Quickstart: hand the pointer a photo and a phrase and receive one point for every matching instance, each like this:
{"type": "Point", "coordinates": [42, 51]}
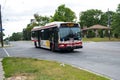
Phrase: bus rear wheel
{"type": "Point", "coordinates": [35, 44]}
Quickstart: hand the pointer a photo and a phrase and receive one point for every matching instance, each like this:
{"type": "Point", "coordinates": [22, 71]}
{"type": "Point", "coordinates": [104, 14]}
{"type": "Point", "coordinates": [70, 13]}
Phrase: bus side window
{"type": "Point", "coordinates": [42, 34]}
{"type": "Point", "coordinates": [33, 34]}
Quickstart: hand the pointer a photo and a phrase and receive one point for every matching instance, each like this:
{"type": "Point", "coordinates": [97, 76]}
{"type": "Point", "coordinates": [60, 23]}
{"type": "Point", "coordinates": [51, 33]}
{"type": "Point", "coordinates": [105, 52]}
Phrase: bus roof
{"type": "Point", "coordinates": [49, 25]}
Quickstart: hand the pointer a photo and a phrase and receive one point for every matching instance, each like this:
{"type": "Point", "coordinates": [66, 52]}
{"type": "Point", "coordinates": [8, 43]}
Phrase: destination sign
{"type": "Point", "coordinates": [69, 25]}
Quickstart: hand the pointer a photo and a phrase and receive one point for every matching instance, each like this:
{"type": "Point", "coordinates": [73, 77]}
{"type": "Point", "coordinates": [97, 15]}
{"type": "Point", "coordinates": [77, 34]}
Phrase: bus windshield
{"type": "Point", "coordinates": [69, 32]}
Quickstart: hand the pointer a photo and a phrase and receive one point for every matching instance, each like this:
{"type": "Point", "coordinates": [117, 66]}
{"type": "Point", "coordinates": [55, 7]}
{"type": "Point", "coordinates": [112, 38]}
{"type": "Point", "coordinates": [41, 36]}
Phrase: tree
{"type": "Point", "coordinates": [116, 23]}
{"type": "Point", "coordinates": [90, 17]}
{"type": "Point", "coordinates": [26, 34]}
{"type": "Point", "coordinates": [118, 9]}
{"type": "Point", "coordinates": [64, 14]}
{"type": "Point", "coordinates": [104, 18]}
{"type": "Point", "coordinates": [16, 36]}
{"type": "Point", "coordinates": [41, 20]}
{"type": "Point", "coordinates": [37, 21]}
{"type": "Point", "coordinates": [93, 16]}
{"type": "Point", "coordinates": [27, 30]}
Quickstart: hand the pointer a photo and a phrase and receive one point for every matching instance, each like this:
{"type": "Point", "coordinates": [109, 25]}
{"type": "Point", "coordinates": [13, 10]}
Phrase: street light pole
{"type": "Point", "coordinates": [1, 28]}
{"type": "Point", "coordinates": [109, 23]}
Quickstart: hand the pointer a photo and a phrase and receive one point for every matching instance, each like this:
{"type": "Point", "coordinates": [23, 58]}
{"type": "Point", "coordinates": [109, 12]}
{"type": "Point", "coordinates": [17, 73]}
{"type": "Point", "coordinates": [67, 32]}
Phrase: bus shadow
{"type": "Point", "coordinates": [61, 52]}
{"type": "Point", "coordinates": [69, 52]}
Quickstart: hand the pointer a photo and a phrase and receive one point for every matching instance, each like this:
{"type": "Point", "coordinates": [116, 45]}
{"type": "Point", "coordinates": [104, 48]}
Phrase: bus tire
{"type": "Point", "coordinates": [70, 50]}
{"type": "Point", "coordinates": [35, 44]}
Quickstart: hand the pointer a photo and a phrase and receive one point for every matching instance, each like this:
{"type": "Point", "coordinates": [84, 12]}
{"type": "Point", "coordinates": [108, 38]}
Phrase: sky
{"type": "Point", "coordinates": [16, 14]}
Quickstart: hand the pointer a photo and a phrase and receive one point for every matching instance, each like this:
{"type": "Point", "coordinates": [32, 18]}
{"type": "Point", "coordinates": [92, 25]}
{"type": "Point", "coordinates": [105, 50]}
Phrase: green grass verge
{"type": "Point", "coordinates": [100, 39]}
{"type": "Point", "coordinates": [35, 69]}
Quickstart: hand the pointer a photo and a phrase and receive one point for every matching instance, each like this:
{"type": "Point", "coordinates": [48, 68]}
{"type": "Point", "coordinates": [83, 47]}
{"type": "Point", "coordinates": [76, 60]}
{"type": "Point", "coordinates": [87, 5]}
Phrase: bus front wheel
{"type": "Point", "coordinates": [35, 44]}
{"type": "Point", "coordinates": [70, 50]}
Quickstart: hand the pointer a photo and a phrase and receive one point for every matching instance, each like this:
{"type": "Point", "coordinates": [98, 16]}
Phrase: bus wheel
{"type": "Point", "coordinates": [35, 44]}
{"type": "Point", "coordinates": [71, 50]}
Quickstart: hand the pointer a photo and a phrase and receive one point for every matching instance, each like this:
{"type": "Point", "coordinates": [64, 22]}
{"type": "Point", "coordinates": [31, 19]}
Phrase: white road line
{"type": "Point", "coordinates": [6, 52]}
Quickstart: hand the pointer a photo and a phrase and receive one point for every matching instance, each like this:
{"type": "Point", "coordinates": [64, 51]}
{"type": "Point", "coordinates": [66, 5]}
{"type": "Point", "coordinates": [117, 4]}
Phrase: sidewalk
{"type": "Point", "coordinates": [1, 67]}
{"type": "Point", "coordinates": [1, 70]}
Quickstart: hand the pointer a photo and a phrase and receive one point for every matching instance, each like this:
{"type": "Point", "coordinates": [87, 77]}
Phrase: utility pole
{"type": "Point", "coordinates": [109, 23]}
{"type": "Point", "coordinates": [1, 28]}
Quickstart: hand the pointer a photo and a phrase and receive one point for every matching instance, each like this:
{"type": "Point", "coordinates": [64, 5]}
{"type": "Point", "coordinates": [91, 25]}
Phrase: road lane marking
{"type": "Point", "coordinates": [6, 52]}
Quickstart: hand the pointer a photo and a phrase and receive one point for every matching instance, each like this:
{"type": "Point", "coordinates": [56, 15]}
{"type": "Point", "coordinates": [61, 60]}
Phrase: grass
{"type": "Point", "coordinates": [100, 39]}
{"type": "Point", "coordinates": [34, 69]}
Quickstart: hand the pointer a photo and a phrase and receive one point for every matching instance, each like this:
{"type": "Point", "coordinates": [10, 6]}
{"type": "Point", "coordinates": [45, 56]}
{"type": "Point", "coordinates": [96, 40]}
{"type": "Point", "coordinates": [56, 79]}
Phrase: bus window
{"type": "Point", "coordinates": [45, 34]}
{"type": "Point", "coordinates": [66, 33]}
{"type": "Point", "coordinates": [42, 34]}
{"type": "Point", "coordinates": [34, 33]}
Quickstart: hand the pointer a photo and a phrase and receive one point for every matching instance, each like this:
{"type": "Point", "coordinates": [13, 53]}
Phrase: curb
{"type": "Point", "coordinates": [102, 75]}
{"type": "Point", "coordinates": [1, 70]}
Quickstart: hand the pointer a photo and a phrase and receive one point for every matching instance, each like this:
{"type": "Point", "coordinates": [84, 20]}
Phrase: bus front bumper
{"type": "Point", "coordinates": [70, 47]}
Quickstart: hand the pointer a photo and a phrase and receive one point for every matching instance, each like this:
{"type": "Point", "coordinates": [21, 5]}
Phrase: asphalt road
{"type": "Point", "coordinates": [99, 57]}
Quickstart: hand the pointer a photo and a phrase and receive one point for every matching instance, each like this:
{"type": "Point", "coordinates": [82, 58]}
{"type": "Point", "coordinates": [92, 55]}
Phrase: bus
{"type": "Point", "coordinates": [57, 36]}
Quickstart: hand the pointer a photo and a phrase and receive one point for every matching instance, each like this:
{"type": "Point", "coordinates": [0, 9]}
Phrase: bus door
{"type": "Point", "coordinates": [39, 38]}
{"type": "Point", "coordinates": [54, 38]}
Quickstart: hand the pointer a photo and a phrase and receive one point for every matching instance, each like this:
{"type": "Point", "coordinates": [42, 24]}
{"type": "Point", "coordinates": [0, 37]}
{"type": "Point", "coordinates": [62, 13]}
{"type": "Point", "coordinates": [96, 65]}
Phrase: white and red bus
{"type": "Point", "coordinates": [57, 36]}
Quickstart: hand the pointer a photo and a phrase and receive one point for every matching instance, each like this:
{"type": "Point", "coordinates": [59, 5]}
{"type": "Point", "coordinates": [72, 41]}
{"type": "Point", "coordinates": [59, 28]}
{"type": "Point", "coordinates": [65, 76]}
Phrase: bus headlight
{"type": "Point", "coordinates": [61, 45]}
